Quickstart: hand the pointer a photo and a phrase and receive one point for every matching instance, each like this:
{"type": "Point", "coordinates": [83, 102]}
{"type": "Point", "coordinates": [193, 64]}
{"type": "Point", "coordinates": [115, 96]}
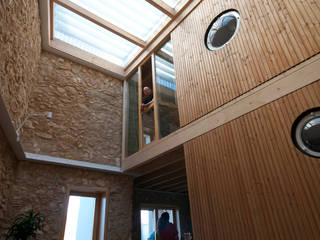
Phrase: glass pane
{"type": "Point", "coordinates": [80, 218]}
{"type": "Point", "coordinates": [132, 115]}
{"type": "Point", "coordinates": [147, 224]}
{"type": "Point", "coordinates": [148, 130]}
{"type": "Point", "coordinates": [310, 134]}
{"type": "Point", "coordinates": [137, 17]}
{"type": "Point", "coordinates": [79, 32]}
{"type": "Point", "coordinates": [166, 91]}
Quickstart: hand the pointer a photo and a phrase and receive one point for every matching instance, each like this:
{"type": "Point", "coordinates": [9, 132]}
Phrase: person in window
{"type": "Point", "coordinates": [165, 229]}
{"type": "Point", "coordinates": [148, 99]}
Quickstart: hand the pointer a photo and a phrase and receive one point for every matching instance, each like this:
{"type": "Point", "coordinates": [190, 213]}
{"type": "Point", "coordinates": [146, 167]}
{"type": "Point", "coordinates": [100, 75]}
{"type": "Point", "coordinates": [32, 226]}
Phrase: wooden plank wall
{"type": "Point", "coordinates": [247, 181]}
{"type": "Point", "coordinates": [274, 35]}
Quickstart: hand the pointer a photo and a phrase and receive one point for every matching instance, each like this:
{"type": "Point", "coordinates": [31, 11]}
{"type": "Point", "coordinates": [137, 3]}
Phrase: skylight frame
{"type": "Point", "coordinates": [182, 9]}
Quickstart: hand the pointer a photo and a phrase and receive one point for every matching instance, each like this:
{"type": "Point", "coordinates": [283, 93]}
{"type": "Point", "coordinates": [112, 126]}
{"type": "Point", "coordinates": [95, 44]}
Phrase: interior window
{"type": "Point", "coordinates": [86, 216]}
{"type": "Point", "coordinates": [149, 218]}
{"type": "Point", "coordinates": [148, 224]}
{"type": "Point", "coordinates": [151, 107]}
{"type": "Point", "coordinates": [166, 90]}
{"type": "Point", "coordinates": [80, 218]}
{"type": "Point", "coordinates": [147, 104]}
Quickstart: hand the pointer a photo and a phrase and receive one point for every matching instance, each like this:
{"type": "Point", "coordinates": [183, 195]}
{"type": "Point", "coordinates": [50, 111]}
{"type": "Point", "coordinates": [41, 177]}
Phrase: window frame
{"type": "Point", "coordinates": [98, 194]}
{"type": "Point", "coordinates": [156, 208]}
{"type": "Point", "coordinates": [296, 130]}
{"type": "Point", "coordinates": [154, 105]}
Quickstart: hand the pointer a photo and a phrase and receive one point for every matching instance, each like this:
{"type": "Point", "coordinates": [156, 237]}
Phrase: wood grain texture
{"type": "Point", "coordinates": [246, 179]}
{"type": "Point", "coordinates": [295, 78]}
{"type": "Point", "coordinates": [273, 37]}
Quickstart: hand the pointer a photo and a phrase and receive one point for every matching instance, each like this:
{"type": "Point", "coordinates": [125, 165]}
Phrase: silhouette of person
{"type": "Point", "coordinates": [166, 230]}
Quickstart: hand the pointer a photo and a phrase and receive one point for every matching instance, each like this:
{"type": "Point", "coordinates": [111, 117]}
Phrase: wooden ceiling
{"type": "Point", "coordinates": [166, 173]}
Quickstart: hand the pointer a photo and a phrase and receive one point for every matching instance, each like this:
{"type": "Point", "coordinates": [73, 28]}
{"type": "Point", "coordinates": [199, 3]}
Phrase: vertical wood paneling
{"type": "Point", "coordinates": [274, 35]}
{"type": "Point", "coordinates": [247, 180]}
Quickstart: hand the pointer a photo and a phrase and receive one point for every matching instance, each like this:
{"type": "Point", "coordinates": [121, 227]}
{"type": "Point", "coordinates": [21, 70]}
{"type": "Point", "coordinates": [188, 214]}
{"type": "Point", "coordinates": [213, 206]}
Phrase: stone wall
{"type": "Point", "coordinates": [43, 188]}
{"type": "Point", "coordinates": [158, 198]}
{"type": "Point", "coordinates": [20, 52]}
{"type": "Point", "coordinates": [7, 162]}
{"type": "Point", "coordinates": [87, 113]}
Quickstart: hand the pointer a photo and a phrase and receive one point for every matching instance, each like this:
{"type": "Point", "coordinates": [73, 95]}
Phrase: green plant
{"type": "Point", "coordinates": [25, 225]}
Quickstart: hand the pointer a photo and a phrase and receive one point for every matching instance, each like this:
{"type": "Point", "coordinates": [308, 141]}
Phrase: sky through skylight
{"type": "Point", "coordinates": [137, 17]}
{"type": "Point", "coordinates": [80, 32]}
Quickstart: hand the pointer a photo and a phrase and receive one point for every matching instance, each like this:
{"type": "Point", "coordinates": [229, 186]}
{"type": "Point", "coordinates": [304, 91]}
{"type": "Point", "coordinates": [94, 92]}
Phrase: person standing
{"type": "Point", "coordinates": [165, 229]}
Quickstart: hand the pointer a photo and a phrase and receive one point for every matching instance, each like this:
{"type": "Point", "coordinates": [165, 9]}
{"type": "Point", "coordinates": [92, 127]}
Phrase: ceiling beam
{"type": "Point", "coordinates": [163, 7]}
{"type": "Point", "coordinates": [164, 179]}
{"type": "Point", "coordinates": [160, 172]}
{"type": "Point", "coordinates": [185, 192]}
{"type": "Point", "coordinates": [101, 22]}
{"type": "Point", "coordinates": [169, 158]}
{"type": "Point", "coordinates": [179, 188]}
{"type": "Point", "coordinates": [174, 183]}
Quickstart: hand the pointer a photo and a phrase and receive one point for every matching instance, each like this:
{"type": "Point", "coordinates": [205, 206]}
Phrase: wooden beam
{"type": "Point", "coordinates": [164, 55]}
{"type": "Point", "coordinates": [172, 183]}
{"type": "Point", "coordinates": [83, 57]}
{"type": "Point", "coordinates": [51, 20]}
{"type": "Point", "coordinates": [162, 161]}
{"type": "Point", "coordinates": [163, 7]}
{"type": "Point", "coordinates": [101, 22]}
{"type": "Point", "coordinates": [155, 191]}
{"type": "Point", "coordinates": [179, 188]}
{"type": "Point", "coordinates": [163, 180]}
{"type": "Point", "coordinates": [160, 38]}
{"type": "Point", "coordinates": [161, 172]}
{"type": "Point", "coordinates": [140, 130]}
{"type": "Point", "coordinates": [297, 77]}
{"type": "Point", "coordinates": [155, 99]}
{"type": "Point", "coordinates": [125, 118]}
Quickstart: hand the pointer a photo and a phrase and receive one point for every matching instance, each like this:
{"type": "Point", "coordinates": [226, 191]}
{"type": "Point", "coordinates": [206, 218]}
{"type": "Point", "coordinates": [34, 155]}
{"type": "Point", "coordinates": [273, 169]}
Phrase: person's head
{"type": "Point", "coordinates": [147, 91]}
{"type": "Point", "coordinates": [163, 220]}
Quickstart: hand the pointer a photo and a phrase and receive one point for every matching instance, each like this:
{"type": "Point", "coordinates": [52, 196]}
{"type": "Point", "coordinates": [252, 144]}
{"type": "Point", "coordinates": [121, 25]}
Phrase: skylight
{"type": "Point", "coordinates": [80, 32]}
{"type": "Point", "coordinates": [111, 35]}
{"type": "Point", "coordinates": [136, 17]}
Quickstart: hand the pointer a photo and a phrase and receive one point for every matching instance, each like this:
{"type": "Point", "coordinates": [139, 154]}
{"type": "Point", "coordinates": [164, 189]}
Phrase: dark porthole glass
{"type": "Point", "coordinates": [222, 29]}
{"type": "Point", "coordinates": [306, 132]}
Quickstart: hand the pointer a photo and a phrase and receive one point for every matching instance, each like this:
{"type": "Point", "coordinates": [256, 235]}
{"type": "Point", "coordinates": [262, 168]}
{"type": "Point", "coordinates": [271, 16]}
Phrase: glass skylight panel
{"type": "Point", "coordinates": [88, 36]}
{"type": "Point", "coordinates": [137, 17]}
{"type": "Point", "coordinates": [171, 3]}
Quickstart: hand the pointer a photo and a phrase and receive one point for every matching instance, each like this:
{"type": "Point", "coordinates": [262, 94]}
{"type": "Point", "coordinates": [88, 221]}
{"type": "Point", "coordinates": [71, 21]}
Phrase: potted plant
{"type": "Point", "coordinates": [25, 226]}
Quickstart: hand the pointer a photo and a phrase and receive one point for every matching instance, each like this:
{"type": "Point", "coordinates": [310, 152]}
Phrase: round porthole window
{"type": "Point", "coordinates": [306, 132]}
{"type": "Point", "coordinates": [222, 29]}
